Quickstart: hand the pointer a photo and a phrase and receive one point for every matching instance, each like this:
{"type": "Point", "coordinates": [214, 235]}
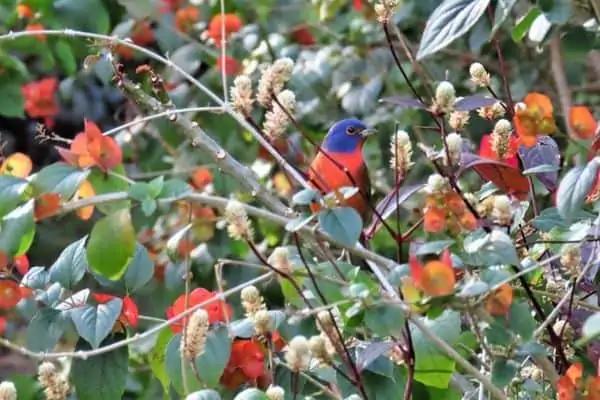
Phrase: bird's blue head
{"type": "Point", "coordinates": [346, 136]}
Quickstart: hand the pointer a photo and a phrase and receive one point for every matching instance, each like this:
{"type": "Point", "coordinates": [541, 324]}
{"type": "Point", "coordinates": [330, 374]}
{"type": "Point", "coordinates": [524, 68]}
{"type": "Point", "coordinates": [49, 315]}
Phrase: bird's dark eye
{"type": "Point", "coordinates": [351, 130]}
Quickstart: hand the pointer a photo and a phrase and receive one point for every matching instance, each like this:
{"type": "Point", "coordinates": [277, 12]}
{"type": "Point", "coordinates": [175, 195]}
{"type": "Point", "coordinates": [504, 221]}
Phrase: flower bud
{"type": "Point", "coordinates": [479, 75]}
{"type": "Point", "coordinates": [502, 210]}
{"type": "Point", "coordinates": [458, 120]}
{"type": "Point", "coordinates": [8, 391]}
{"type": "Point", "coordinates": [280, 260]}
{"type": "Point", "coordinates": [275, 393]}
{"type": "Point", "coordinates": [437, 184]}
{"type": "Point", "coordinates": [454, 143]}
{"type": "Point", "coordinates": [252, 301]}
{"type": "Point", "coordinates": [192, 343]}
{"type": "Point", "coordinates": [241, 94]}
{"type": "Point", "coordinates": [263, 322]}
{"type": "Point", "coordinates": [298, 354]}
{"type": "Point", "coordinates": [239, 226]}
{"type": "Point", "coordinates": [492, 112]}
{"type": "Point", "coordinates": [401, 153]}
{"type": "Point", "coordinates": [445, 96]}
{"type": "Point", "coordinates": [500, 138]}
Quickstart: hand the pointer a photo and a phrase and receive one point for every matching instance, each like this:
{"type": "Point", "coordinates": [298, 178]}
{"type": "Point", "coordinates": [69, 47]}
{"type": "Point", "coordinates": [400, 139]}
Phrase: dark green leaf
{"type": "Point", "coordinates": [385, 320]}
{"type": "Point", "coordinates": [343, 224]}
{"type": "Point", "coordinates": [89, 15]}
{"type": "Point", "coordinates": [449, 21]}
{"type": "Point", "coordinates": [111, 245]}
{"type": "Point", "coordinates": [173, 367]}
{"type": "Point", "coordinates": [103, 376]}
{"type": "Point", "coordinates": [574, 187]}
{"type": "Point", "coordinates": [71, 265]}
{"type": "Point", "coordinates": [139, 271]}
{"type": "Point", "coordinates": [503, 371]}
{"type": "Point", "coordinates": [17, 230]}
{"type": "Point", "coordinates": [11, 193]}
{"type": "Point", "coordinates": [521, 321]}
{"type": "Point", "coordinates": [11, 101]}
{"type": "Point", "coordinates": [64, 55]}
{"type": "Point", "coordinates": [45, 329]}
{"type": "Point", "coordinates": [94, 323]}
{"type": "Point", "coordinates": [212, 362]}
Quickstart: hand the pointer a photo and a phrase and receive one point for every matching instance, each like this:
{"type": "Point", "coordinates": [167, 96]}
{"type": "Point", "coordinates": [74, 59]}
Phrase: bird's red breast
{"type": "Point", "coordinates": [326, 176]}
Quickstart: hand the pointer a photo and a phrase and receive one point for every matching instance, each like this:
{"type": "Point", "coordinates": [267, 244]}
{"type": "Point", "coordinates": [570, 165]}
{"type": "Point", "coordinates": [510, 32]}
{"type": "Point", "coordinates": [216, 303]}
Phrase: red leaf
{"type": "Point", "coordinates": [506, 177]}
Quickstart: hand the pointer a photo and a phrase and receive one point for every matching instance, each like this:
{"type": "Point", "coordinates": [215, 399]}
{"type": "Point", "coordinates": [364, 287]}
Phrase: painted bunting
{"type": "Point", "coordinates": [343, 145]}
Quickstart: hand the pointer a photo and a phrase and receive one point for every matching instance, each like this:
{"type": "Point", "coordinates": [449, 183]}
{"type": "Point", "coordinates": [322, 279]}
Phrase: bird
{"type": "Point", "coordinates": [342, 148]}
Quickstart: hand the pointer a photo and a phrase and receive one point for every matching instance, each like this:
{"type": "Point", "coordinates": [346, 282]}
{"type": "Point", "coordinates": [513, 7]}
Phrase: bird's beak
{"type": "Point", "coordinates": [365, 133]}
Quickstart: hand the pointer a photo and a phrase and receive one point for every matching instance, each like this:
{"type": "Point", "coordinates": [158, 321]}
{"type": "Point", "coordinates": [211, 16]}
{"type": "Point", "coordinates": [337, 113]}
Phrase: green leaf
{"type": "Point", "coordinates": [433, 368]}
{"type": "Point", "coordinates": [497, 334]}
{"type": "Point", "coordinates": [503, 371]}
{"type": "Point", "coordinates": [59, 178]}
{"type": "Point", "coordinates": [174, 188]}
{"type": "Point", "coordinates": [342, 223]}
{"type": "Point", "coordinates": [305, 197]}
{"type": "Point", "coordinates": [103, 184]}
{"type": "Point", "coordinates": [173, 367]}
{"type": "Point", "coordinates": [540, 169]}
{"type": "Point", "coordinates": [205, 394]}
{"type": "Point", "coordinates": [45, 329]}
{"type": "Point", "coordinates": [495, 248]}
{"type": "Point", "coordinates": [36, 278]}
{"type": "Point", "coordinates": [89, 15]}
{"type": "Point", "coordinates": [591, 327]}
{"type": "Point", "coordinates": [251, 394]}
{"type": "Point", "coordinates": [574, 187]}
{"type": "Point", "coordinates": [139, 9]}
{"type": "Point", "coordinates": [212, 362]}
{"type": "Point", "coordinates": [556, 11]}
{"type": "Point", "coordinates": [11, 101]}
{"type": "Point", "coordinates": [434, 247]}
{"type": "Point", "coordinates": [111, 245]}
{"type": "Point", "coordinates": [65, 57]}
{"type": "Point", "coordinates": [94, 323]}
{"type": "Point", "coordinates": [139, 271]}
{"type": "Point", "coordinates": [71, 265]}
{"type": "Point", "coordinates": [502, 12]}
{"type": "Point", "coordinates": [17, 230]}
{"type": "Point", "coordinates": [11, 192]}
{"type": "Point", "coordinates": [384, 320]}
{"type": "Point", "coordinates": [449, 21]}
{"type": "Point", "coordinates": [521, 321]}
{"type": "Point", "coordinates": [141, 191]}
{"type": "Point", "coordinates": [524, 24]}
{"type": "Point", "coordinates": [157, 358]}
{"type": "Point", "coordinates": [102, 376]}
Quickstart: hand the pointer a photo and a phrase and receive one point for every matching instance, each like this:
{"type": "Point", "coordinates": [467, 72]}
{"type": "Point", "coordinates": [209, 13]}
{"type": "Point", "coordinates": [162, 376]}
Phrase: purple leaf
{"type": "Point", "coordinates": [406, 102]}
{"type": "Point", "coordinates": [390, 203]}
{"type": "Point", "coordinates": [469, 103]}
{"type": "Point", "coordinates": [545, 152]}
